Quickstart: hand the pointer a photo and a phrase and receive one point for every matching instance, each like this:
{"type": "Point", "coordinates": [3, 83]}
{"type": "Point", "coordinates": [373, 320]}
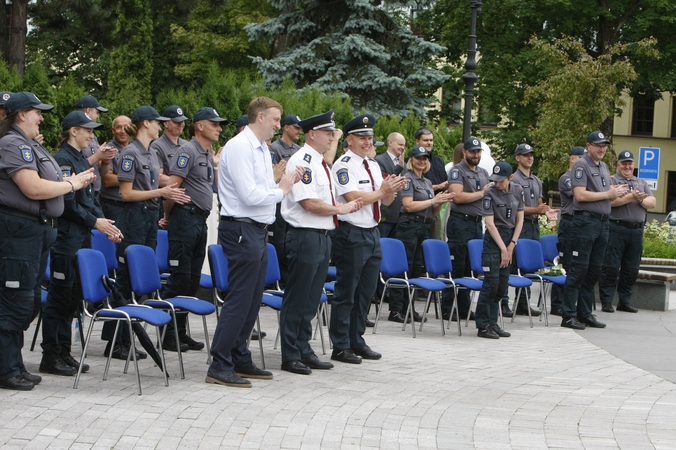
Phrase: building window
{"type": "Point", "coordinates": [642, 120]}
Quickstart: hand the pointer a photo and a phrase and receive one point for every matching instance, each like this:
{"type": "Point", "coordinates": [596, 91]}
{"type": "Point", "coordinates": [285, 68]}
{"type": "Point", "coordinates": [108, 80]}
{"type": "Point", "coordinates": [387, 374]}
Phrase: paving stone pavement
{"type": "Point", "coordinates": [545, 387]}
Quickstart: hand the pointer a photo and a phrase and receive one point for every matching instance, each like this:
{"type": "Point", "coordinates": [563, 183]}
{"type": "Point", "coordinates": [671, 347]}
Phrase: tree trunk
{"type": "Point", "coordinates": [17, 38]}
{"type": "Point", "coordinates": [4, 31]}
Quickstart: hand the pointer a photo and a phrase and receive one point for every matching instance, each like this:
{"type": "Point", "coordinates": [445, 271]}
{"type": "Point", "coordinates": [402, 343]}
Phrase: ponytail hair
{"type": "Point", "coordinates": [63, 138]}
{"type": "Point", "coordinates": [131, 129]}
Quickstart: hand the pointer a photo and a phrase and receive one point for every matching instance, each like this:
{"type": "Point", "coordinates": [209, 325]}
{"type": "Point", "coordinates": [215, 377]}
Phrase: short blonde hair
{"type": "Point", "coordinates": [409, 165]}
{"type": "Point", "coordinates": [260, 104]}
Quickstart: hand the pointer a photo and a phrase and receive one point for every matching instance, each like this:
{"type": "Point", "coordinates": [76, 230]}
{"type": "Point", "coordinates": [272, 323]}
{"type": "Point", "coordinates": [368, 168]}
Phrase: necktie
{"type": "Point", "coordinates": [376, 208]}
{"type": "Point", "coordinates": [333, 200]}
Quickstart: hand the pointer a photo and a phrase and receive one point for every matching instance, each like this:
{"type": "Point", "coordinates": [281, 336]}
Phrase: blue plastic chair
{"type": "Point", "coordinates": [550, 249]}
{"type": "Point", "coordinates": [144, 275]}
{"type": "Point", "coordinates": [439, 265]}
{"type": "Point", "coordinates": [218, 264]}
{"type": "Point", "coordinates": [43, 300]}
{"type": "Point", "coordinates": [162, 253]}
{"type": "Point", "coordinates": [393, 275]}
{"type": "Point", "coordinates": [92, 269]}
{"type": "Point", "coordinates": [476, 248]}
{"type": "Point", "coordinates": [529, 260]}
{"type": "Point", "coordinates": [101, 243]}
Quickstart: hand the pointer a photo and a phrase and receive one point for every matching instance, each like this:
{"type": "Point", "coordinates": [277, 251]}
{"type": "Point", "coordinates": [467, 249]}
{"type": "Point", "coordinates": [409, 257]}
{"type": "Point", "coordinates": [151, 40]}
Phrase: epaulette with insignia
{"type": "Point", "coordinates": [345, 158]}
{"type": "Point", "coordinates": [307, 157]}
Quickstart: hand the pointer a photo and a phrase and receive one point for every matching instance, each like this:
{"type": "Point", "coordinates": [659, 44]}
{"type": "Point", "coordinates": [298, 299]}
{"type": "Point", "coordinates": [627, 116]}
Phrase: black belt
{"type": "Point", "coordinates": [195, 210]}
{"type": "Point", "coordinates": [418, 218]}
{"type": "Point", "coordinates": [601, 217]}
{"type": "Point", "coordinates": [316, 230]}
{"type": "Point", "coordinates": [262, 226]}
{"type": "Point", "coordinates": [348, 224]}
{"type": "Point", "coordinates": [526, 219]}
{"type": "Point", "coordinates": [632, 225]}
{"type": "Point", "coordinates": [466, 216]}
{"type": "Point", "coordinates": [567, 216]}
{"type": "Point", "coordinates": [52, 222]}
{"type": "Point", "coordinates": [119, 203]}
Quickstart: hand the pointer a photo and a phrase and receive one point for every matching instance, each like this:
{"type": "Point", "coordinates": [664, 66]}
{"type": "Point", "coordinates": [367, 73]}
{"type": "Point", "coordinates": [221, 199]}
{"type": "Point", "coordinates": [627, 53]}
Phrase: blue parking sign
{"type": "Point", "coordinates": [649, 163]}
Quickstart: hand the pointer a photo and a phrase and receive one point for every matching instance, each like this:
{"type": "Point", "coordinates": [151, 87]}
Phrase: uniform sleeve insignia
{"type": "Point", "coordinates": [307, 158]}
{"type": "Point", "coordinates": [407, 185]}
{"type": "Point", "coordinates": [578, 173]}
{"type": "Point", "coordinates": [343, 177]}
{"type": "Point", "coordinates": [66, 171]}
{"type": "Point", "coordinates": [26, 153]}
{"type": "Point", "coordinates": [454, 174]}
{"type": "Point", "coordinates": [127, 164]}
{"type": "Point", "coordinates": [568, 183]}
{"type": "Point", "coordinates": [345, 158]}
{"type": "Point", "coordinates": [182, 160]}
{"type": "Point", "coordinates": [487, 203]}
{"type": "Point", "coordinates": [307, 177]}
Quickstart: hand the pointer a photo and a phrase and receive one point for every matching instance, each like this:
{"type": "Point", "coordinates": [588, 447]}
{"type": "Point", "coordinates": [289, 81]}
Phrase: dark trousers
{"type": "Point", "coordinates": [110, 210]}
{"type": "Point", "coordinates": [24, 245]}
{"type": "Point", "coordinates": [495, 280]}
{"type": "Point", "coordinates": [245, 247]}
{"type": "Point", "coordinates": [187, 246]}
{"type": "Point", "coordinates": [138, 225]}
{"type": "Point", "coordinates": [530, 230]}
{"type": "Point", "coordinates": [621, 264]}
{"type": "Point", "coordinates": [589, 238]}
{"type": "Point", "coordinates": [357, 254]}
{"type": "Point", "coordinates": [64, 297]}
{"type": "Point", "coordinates": [277, 237]}
{"type": "Point", "coordinates": [459, 232]}
{"type": "Point", "coordinates": [564, 259]}
{"type": "Point", "coordinates": [412, 234]}
{"type": "Point", "coordinates": [308, 255]}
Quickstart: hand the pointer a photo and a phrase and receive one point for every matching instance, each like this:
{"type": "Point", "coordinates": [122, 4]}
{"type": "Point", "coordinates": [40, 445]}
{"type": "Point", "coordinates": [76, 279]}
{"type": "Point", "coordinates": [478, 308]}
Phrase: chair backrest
{"type": "Point", "coordinates": [92, 267]}
{"type": "Point", "coordinates": [162, 250]}
{"type": "Point", "coordinates": [48, 271]}
{"type": "Point", "coordinates": [475, 248]}
{"type": "Point", "coordinates": [550, 249]}
{"type": "Point", "coordinates": [101, 243]}
{"type": "Point", "coordinates": [394, 262]}
{"type": "Point", "coordinates": [272, 275]}
{"type": "Point", "coordinates": [529, 257]}
{"type": "Point", "coordinates": [219, 267]}
{"type": "Point", "coordinates": [144, 273]}
{"type": "Point", "coordinates": [437, 258]}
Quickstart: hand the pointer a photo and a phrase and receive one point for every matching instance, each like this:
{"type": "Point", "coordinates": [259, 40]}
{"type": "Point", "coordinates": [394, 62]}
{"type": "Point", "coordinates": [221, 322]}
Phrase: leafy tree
{"type": "Point", "coordinates": [352, 46]}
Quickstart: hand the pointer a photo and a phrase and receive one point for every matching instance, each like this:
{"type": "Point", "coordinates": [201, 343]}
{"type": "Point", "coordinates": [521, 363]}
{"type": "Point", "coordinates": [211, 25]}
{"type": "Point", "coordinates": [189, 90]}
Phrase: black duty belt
{"type": "Point", "coordinates": [119, 203]}
{"type": "Point", "coordinates": [601, 217]}
{"type": "Point", "coordinates": [418, 218]}
{"type": "Point", "coordinates": [632, 225]}
{"type": "Point", "coordinates": [567, 216]}
{"type": "Point", "coordinates": [316, 230]}
{"type": "Point", "coordinates": [530, 219]}
{"type": "Point", "coordinates": [52, 222]}
{"type": "Point", "coordinates": [262, 226]}
{"type": "Point", "coordinates": [348, 224]}
{"type": "Point", "coordinates": [195, 210]}
{"type": "Point", "coordinates": [466, 216]}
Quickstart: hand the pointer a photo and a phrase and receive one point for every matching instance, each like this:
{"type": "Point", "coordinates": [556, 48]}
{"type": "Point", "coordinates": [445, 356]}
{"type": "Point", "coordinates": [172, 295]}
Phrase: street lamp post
{"type": "Point", "coordinates": [469, 76]}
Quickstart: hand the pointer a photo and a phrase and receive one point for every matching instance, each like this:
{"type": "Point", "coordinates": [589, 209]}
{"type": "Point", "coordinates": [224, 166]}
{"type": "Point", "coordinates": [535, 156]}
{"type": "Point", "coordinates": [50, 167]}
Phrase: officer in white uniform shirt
{"type": "Point", "coordinates": [311, 212]}
{"type": "Point", "coordinates": [357, 251]}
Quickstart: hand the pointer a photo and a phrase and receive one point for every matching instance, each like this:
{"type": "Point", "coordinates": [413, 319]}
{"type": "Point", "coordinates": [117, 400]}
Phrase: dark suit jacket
{"type": "Point", "coordinates": [389, 213]}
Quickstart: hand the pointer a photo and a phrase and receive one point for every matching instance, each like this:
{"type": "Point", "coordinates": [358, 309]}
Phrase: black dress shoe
{"type": "Point", "coordinates": [592, 322]}
{"type": "Point", "coordinates": [346, 356]}
{"type": "Point", "coordinates": [170, 346]}
{"type": "Point", "coordinates": [487, 333]}
{"type": "Point", "coordinates": [313, 362]}
{"type": "Point", "coordinates": [52, 363]}
{"type": "Point", "coordinates": [396, 316]}
{"type": "Point", "coordinates": [296, 367]}
{"type": "Point", "coordinates": [454, 318]}
{"type": "Point", "coordinates": [35, 379]}
{"type": "Point", "coordinates": [72, 362]}
{"type": "Point", "coordinates": [121, 351]}
{"type": "Point", "coordinates": [506, 312]}
{"type": "Point", "coordinates": [608, 307]}
{"type": "Point", "coordinates": [254, 335]}
{"type": "Point", "coordinates": [252, 371]}
{"type": "Point", "coordinates": [500, 332]}
{"type": "Point", "coordinates": [417, 317]}
{"type": "Point", "coordinates": [366, 353]}
{"type": "Point", "coordinates": [17, 383]}
{"type": "Point", "coordinates": [191, 343]}
{"type": "Point", "coordinates": [557, 312]}
{"type": "Point", "coordinates": [524, 312]}
{"type": "Point", "coordinates": [626, 307]}
{"type": "Point", "coordinates": [369, 324]}
{"type": "Point", "coordinates": [226, 378]}
{"type": "Point", "coordinates": [572, 323]}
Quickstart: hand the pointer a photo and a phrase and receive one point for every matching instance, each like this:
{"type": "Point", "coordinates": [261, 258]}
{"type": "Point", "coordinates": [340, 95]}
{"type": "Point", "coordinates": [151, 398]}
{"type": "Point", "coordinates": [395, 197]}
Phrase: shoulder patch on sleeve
{"type": "Point", "coordinates": [578, 173]}
{"type": "Point", "coordinates": [307, 158]}
{"type": "Point", "coordinates": [343, 177]}
{"type": "Point", "coordinates": [487, 203]}
{"type": "Point", "coordinates": [66, 171]}
{"type": "Point", "coordinates": [26, 153]}
{"type": "Point", "coordinates": [455, 174]}
{"type": "Point", "coordinates": [568, 183]}
{"type": "Point", "coordinates": [306, 178]}
{"type": "Point", "coordinates": [127, 163]}
{"type": "Point", "coordinates": [407, 185]}
{"type": "Point", "coordinates": [182, 160]}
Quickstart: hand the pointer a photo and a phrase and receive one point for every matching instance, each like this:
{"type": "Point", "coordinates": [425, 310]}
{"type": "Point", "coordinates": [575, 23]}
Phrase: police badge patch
{"type": "Point", "coordinates": [487, 203]}
{"type": "Point", "coordinates": [127, 164]}
{"type": "Point", "coordinates": [26, 153]}
{"type": "Point", "coordinates": [568, 183]}
{"type": "Point", "coordinates": [307, 177]}
{"type": "Point", "coordinates": [66, 171]}
{"type": "Point", "coordinates": [407, 185]}
{"type": "Point", "coordinates": [454, 174]}
{"type": "Point", "coordinates": [578, 173]}
{"type": "Point", "coordinates": [182, 160]}
{"type": "Point", "coordinates": [343, 177]}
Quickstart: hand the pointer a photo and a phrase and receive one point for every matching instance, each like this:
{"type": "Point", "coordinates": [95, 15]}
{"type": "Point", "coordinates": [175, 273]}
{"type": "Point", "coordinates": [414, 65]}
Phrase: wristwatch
{"type": "Point", "coordinates": [514, 242]}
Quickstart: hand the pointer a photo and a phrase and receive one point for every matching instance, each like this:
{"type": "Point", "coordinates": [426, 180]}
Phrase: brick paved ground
{"type": "Point", "coordinates": [545, 387]}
